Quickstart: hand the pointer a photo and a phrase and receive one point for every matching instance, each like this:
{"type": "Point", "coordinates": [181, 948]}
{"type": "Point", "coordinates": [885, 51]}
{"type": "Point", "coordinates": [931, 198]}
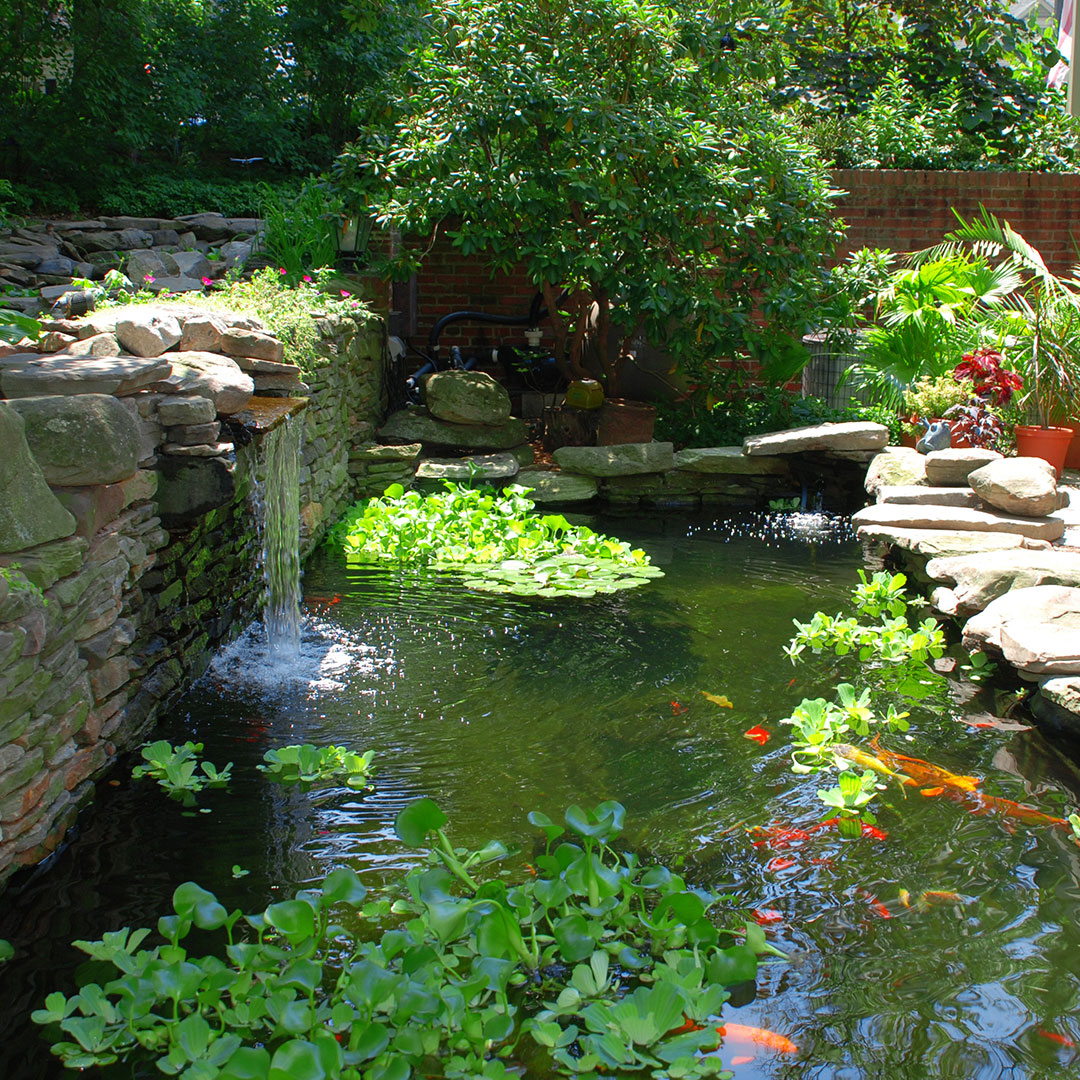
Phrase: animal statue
{"type": "Point", "coordinates": [938, 437]}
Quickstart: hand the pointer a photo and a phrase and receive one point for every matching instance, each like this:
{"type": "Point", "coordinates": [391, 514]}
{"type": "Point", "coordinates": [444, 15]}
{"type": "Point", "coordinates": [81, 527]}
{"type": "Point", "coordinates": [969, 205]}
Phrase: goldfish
{"type": "Point", "coordinates": [742, 1060]}
{"type": "Point", "coordinates": [921, 773]}
{"type": "Point", "coordinates": [758, 734]}
{"type": "Point", "coordinates": [868, 761]}
{"type": "Point", "coordinates": [759, 1036]}
{"type": "Point", "coordinates": [678, 708]}
{"type": "Point", "coordinates": [718, 699]}
{"type": "Point", "coordinates": [936, 896]}
{"type": "Point", "coordinates": [1007, 808]}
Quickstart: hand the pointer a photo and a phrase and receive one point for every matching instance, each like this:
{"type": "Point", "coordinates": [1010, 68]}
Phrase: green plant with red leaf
{"type": "Point", "coordinates": [979, 420]}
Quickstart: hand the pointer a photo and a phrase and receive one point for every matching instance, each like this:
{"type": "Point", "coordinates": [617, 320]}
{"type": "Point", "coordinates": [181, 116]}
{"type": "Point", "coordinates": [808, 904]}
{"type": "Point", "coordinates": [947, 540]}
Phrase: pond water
{"type": "Point", "coordinates": [495, 706]}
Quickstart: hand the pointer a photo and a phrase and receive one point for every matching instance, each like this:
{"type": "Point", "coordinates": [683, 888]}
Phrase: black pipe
{"type": "Point", "coordinates": [480, 317]}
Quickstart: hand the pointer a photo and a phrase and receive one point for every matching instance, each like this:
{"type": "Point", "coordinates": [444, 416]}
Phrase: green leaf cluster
{"type": "Point", "coordinates": [595, 961]}
{"type": "Point", "coordinates": [178, 771]}
{"type": "Point", "coordinates": [495, 541]}
{"type": "Point", "coordinates": [308, 764]}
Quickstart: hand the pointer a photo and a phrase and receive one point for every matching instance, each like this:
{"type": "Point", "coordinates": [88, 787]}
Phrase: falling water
{"type": "Point", "coordinates": [279, 516]}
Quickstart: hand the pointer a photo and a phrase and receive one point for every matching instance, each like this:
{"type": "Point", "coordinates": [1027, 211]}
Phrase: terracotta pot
{"type": "Point", "coordinates": [1049, 443]}
{"type": "Point", "coordinates": [624, 421]}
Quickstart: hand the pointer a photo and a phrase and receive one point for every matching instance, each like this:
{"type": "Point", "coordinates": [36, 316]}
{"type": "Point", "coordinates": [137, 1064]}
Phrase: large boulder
{"type": "Point", "coordinates": [30, 514]}
{"type": "Point", "coordinates": [212, 376]}
{"type": "Point", "coordinates": [1040, 604]}
{"type": "Point", "coordinates": [252, 343]}
{"type": "Point", "coordinates": [414, 425]}
{"type": "Point", "coordinates": [625, 459]}
{"type": "Point", "coordinates": [1023, 485]}
{"type": "Point", "coordinates": [895, 466]}
{"type": "Point", "coordinates": [150, 263]}
{"type": "Point", "coordinates": [851, 435]}
{"type": "Point", "coordinates": [975, 581]}
{"type": "Point", "coordinates": [148, 332]}
{"type": "Point", "coordinates": [80, 439]}
{"type": "Point", "coordinates": [950, 468]}
{"type": "Point", "coordinates": [466, 397]}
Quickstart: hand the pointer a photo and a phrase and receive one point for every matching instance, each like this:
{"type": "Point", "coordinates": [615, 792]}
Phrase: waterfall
{"type": "Point", "coordinates": [278, 510]}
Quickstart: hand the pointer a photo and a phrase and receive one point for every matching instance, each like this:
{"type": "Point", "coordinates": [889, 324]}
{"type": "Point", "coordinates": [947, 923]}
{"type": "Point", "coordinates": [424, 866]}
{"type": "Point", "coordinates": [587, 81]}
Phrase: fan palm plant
{"type": "Point", "coordinates": [929, 314]}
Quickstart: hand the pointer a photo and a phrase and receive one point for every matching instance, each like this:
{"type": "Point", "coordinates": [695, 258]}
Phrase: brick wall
{"type": "Point", "coordinates": [908, 210]}
{"type": "Point", "coordinates": [901, 210]}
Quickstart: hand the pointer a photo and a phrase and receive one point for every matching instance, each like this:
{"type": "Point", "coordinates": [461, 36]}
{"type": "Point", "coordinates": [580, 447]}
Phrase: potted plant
{"type": "Point", "coordinates": [1038, 322]}
{"type": "Point", "coordinates": [587, 148]}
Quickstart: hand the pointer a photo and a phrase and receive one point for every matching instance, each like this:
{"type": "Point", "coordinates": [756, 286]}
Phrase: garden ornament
{"type": "Point", "coordinates": [938, 437]}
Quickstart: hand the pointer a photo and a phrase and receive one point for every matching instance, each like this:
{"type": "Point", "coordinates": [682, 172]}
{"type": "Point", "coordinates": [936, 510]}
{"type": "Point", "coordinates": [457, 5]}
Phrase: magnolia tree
{"type": "Point", "coordinates": [591, 141]}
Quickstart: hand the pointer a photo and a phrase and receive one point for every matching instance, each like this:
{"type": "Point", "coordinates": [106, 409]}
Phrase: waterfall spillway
{"type": "Point", "coordinates": [279, 519]}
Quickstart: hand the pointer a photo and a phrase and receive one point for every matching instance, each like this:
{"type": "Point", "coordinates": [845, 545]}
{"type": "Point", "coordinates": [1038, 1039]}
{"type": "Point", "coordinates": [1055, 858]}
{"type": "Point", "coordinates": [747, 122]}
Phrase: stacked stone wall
{"type": "Point", "coordinates": [115, 590]}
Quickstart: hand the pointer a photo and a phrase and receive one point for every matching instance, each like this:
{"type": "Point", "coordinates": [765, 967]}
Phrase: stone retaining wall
{"type": "Point", "coordinates": [115, 589]}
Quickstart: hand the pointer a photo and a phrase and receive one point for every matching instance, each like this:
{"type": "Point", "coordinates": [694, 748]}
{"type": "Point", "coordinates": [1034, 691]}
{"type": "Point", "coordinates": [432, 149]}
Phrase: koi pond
{"type": "Point", "coordinates": [942, 942]}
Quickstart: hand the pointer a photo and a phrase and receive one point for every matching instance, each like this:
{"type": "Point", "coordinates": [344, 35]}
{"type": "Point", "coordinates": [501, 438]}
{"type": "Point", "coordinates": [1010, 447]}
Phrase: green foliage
{"type": "Point", "coordinates": [308, 764]}
{"type": "Point", "coordinates": [7, 951]}
{"type": "Point", "coordinates": [585, 140]}
{"type": "Point", "coordinates": [163, 195]}
{"type": "Point", "coordinates": [932, 398]}
{"type": "Point", "coordinates": [174, 768]}
{"type": "Point", "coordinates": [289, 310]}
{"type": "Point", "coordinates": [14, 326]}
{"type": "Point", "coordinates": [301, 228]}
{"type": "Point", "coordinates": [20, 583]}
{"type": "Point", "coordinates": [729, 415]}
{"type": "Point", "coordinates": [601, 962]}
{"type": "Point", "coordinates": [495, 541]}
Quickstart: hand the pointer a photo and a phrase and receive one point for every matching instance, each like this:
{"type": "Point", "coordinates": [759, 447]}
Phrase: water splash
{"type": "Point", "coordinates": [278, 510]}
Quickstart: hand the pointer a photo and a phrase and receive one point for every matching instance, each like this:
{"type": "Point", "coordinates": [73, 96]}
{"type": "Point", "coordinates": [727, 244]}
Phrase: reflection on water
{"type": "Point", "coordinates": [495, 706]}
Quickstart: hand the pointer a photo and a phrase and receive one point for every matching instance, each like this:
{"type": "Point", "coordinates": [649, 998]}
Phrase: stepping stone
{"type": "Point", "coordinates": [915, 495]}
{"type": "Point", "coordinates": [853, 435]}
{"type": "Point", "coordinates": [956, 519]}
{"type": "Point", "coordinates": [975, 582]}
{"type": "Point", "coordinates": [949, 468]}
{"type": "Point", "coordinates": [32, 375]}
{"type": "Point", "coordinates": [624, 459]}
{"type": "Point", "coordinates": [936, 543]}
{"type": "Point", "coordinates": [549, 486]}
{"type": "Point", "coordinates": [486, 467]}
{"type": "Point", "coordinates": [729, 460]}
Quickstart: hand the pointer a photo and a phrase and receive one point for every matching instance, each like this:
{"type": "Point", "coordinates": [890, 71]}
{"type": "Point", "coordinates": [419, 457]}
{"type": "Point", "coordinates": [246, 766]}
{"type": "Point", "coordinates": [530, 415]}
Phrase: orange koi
{"type": "Point", "coordinates": [928, 791]}
{"type": "Point", "coordinates": [765, 916]}
{"type": "Point", "coordinates": [678, 708]}
{"type": "Point", "coordinates": [923, 772]}
{"type": "Point", "coordinates": [1007, 808]}
{"type": "Point", "coordinates": [758, 734]}
{"type": "Point", "coordinates": [759, 1036]}
{"type": "Point", "coordinates": [742, 1060]}
{"type": "Point", "coordinates": [779, 863]}
{"type": "Point", "coordinates": [1053, 1036]}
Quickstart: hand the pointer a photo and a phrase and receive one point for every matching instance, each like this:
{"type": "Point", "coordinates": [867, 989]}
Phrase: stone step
{"type": "Point", "coordinates": [917, 495]}
{"type": "Point", "coordinates": [886, 515]}
{"type": "Point", "coordinates": [853, 435]}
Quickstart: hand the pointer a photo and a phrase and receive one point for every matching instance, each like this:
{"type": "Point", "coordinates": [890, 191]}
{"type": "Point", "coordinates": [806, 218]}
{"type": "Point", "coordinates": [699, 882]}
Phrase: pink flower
{"type": "Point", "coordinates": [148, 278]}
{"type": "Point", "coordinates": [208, 281]}
{"type": "Point", "coordinates": [345, 292]}
{"type": "Point", "coordinates": [307, 278]}
{"type": "Point", "coordinates": [281, 269]}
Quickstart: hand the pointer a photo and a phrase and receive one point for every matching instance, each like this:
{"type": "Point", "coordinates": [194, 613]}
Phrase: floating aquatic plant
{"type": "Point", "coordinates": [496, 541]}
{"type": "Point", "coordinates": [308, 764]}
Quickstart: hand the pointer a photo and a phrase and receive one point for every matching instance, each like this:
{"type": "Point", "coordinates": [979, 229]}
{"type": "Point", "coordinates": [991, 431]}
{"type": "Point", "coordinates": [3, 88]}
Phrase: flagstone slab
{"type": "Point", "coordinates": [549, 486]}
{"type": "Point", "coordinates": [729, 460]}
{"type": "Point", "coordinates": [919, 495]}
{"type": "Point", "coordinates": [939, 543]}
{"type": "Point", "coordinates": [33, 375]}
{"type": "Point", "coordinates": [852, 435]}
{"type": "Point", "coordinates": [624, 459]}
{"type": "Point", "coordinates": [975, 581]}
{"type": "Point", "coordinates": [956, 518]}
